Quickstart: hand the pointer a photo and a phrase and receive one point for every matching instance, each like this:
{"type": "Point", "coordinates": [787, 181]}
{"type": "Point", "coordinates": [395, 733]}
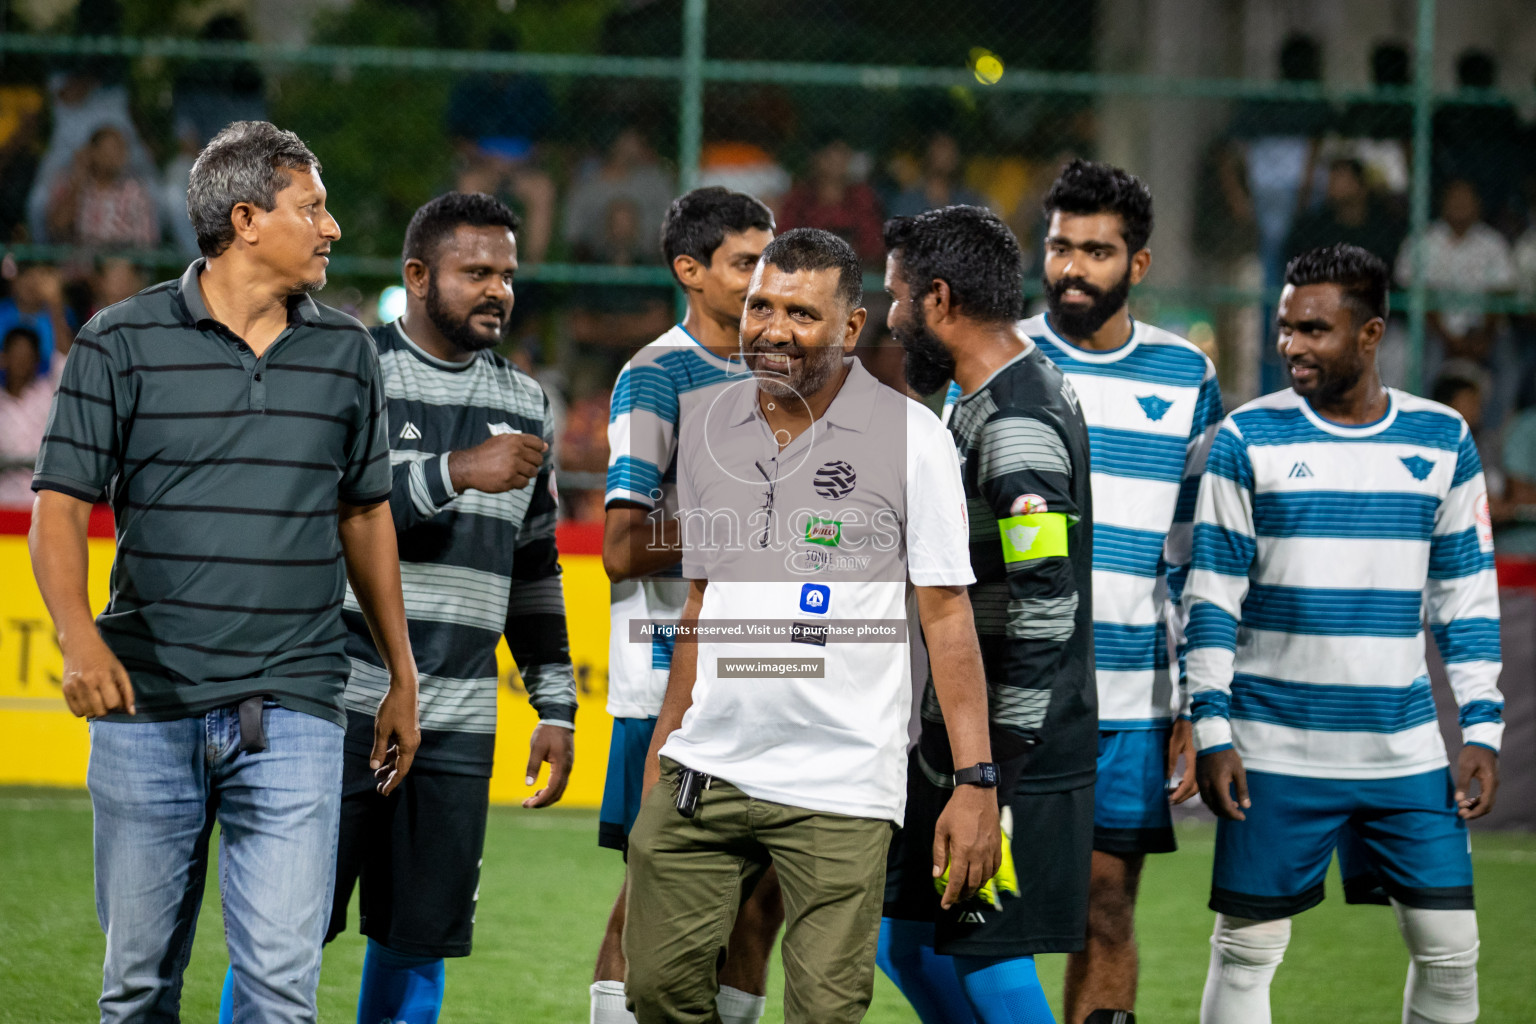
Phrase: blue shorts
{"type": "Point", "coordinates": [1398, 838]}
{"type": "Point", "coordinates": [626, 774]}
{"type": "Point", "coordinates": [1130, 798]}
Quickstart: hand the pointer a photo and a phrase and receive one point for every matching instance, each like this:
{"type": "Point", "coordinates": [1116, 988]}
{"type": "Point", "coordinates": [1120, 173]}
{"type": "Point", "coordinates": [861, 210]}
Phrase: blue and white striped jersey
{"type": "Point", "coordinates": [1152, 406]}
{"type": "Point", "coordinates": [662, 383]}
{"type": "Point", "coordinates": [1319, 551]}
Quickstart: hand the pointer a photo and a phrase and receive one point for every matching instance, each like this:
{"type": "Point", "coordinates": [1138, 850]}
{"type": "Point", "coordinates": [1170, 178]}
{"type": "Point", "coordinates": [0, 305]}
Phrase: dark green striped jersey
{"type": "Point", "coordinates": [474, 566]}
{"type": "Point", "coordinates": [224, 471]}
{"type": "Point", "coordinates": [1024, 460]}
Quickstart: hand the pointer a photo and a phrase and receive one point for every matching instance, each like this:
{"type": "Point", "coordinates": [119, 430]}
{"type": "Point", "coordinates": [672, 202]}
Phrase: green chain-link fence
{"type": "Point", "coordinates": [588, 115]}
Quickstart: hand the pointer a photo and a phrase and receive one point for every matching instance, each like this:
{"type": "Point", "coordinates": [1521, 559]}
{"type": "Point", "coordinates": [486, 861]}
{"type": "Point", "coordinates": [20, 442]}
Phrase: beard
{"type": "Point", "coordinates": [1082, 321]}
{"type": "Point", "coordinates": [1332, 383]}
{"type": "Point", "coordinates": [929, 364]}
{"type": "Point", "coordinates": [458, 330]}
{"type": "Point", "coordinates": [818, 364]}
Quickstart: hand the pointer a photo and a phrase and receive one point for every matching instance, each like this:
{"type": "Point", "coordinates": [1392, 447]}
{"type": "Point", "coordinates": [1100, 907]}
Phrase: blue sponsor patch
{"type": "Point", "coordinates": [1418, 466]}
{"type": "Point", "coordinates": [815, 598]}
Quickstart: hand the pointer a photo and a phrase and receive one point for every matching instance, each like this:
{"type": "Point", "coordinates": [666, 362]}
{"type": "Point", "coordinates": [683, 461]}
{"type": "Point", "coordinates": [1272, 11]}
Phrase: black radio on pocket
{"type": "Point", "coordinates": [690, 784]}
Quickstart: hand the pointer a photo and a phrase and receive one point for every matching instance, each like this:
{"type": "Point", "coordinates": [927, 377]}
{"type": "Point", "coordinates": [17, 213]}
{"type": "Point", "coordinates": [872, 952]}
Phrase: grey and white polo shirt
{"type": "Point", "coordinates": [825, 534]}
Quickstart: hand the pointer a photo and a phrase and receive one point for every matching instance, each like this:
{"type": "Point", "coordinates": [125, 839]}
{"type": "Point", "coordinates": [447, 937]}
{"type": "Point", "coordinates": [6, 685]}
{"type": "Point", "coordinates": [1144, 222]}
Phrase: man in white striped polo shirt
{"type": "Point", "coordinates": [1332, 520]}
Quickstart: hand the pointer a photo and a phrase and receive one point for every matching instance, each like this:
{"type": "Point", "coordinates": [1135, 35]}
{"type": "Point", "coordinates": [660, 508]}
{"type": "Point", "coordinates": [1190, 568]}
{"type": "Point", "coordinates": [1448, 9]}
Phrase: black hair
{"type": "Point", "coordinates": [1476, 69]}
{"type": "Point", "coordinates": [25, 333]}
{"type": "Point", "coordinates": [1389, 64]}
{"type": "Point", "coordinates": [968, 248]}
{"type": "Point", "coordinates": [1350, 164]}
{"type": "Point", "coordinates": [1086, 187]}
{"type": "Point", "coordinates": [815, 249]}
{"type": "Point", "coordinates": [1448, 385]}
{"type": "Point", "coordinates": [1301, 59]}
{"type": "Point", "coordinates": [1360, 274]}
{"type": "Point", "coordinates": [438, 219]}
{"type": "Point", "coordinates": [698, 221]}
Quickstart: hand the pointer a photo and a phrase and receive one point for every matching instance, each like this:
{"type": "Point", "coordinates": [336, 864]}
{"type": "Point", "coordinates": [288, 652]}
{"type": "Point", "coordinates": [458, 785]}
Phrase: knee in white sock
{"type": "Point", "coordinates": [1244, 955]}
{"type": "Point", "coordinates": [1253, 948]}
{"type": "Point", "coordinates": [1442, 974]}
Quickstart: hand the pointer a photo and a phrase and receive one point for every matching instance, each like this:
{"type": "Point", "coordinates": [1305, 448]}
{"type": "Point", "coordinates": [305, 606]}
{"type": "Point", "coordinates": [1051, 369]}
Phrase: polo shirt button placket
{"type": "Point", "coordinates": [258, 389]}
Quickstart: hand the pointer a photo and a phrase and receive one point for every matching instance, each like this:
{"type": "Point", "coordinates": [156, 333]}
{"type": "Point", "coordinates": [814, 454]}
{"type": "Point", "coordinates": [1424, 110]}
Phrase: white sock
{"type": "Point", "coordinates": [1244, 955]}
{"type": "Point", "coordinates": [608, 1003]}
{"type": "Point", "coordinates": [738, 1007]}
{"type": "Point", "coordinates": [1442, 974]}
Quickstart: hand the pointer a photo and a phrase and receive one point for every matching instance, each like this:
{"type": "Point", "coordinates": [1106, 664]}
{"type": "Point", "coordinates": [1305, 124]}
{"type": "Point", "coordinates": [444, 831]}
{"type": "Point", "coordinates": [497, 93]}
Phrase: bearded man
{"type": "Point", "coordinates": [473, 501]}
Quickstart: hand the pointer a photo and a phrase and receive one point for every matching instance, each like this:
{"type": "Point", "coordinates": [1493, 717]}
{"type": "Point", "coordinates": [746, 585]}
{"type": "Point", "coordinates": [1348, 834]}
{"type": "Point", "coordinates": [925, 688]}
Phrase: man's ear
{"type": "Point", "coordinates": [1369, 336]}
{"type": "Point", "coordinates": [939, 303]}
{"type": "Point", "coordinates": [853, 328]}
{"type": "Point", "coordinates": [417, 276]}
{"type": "Point", "coordinates": [243, 218]}
{"type": "Point", "coordinates": [1141, 262]}
{"type": "Point", "coordinates": [689, 271]}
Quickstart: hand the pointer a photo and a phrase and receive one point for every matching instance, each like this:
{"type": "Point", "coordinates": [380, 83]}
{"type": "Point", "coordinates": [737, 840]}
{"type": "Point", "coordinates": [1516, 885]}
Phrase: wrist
{"type": "Point", "coordinates": [79, 637]}
{"type": "Point", "coordinates": [458, 472]}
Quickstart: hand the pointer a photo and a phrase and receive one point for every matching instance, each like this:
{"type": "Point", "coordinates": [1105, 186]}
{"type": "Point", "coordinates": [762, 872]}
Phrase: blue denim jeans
{"type": "Point", "coordinates": [157, 788]}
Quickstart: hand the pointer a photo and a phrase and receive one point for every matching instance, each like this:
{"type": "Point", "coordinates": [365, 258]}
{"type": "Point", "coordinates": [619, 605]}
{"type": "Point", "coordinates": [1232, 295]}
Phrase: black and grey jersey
{"type": "Point", "coordinates": [1024, 460]}
{"type": "Point", "coordinates": [474, 566]}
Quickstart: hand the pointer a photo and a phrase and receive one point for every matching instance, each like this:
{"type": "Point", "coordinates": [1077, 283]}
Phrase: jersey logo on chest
{"type": "Point", "coordinates": [409, 432]}
{"type": "Point", "coordinates": [1155, 406]}
{"type": "Point", "coordinates": [835, 480]}
{"type": "Point", "coordinates": [1300, 471]}
{"type": "Point", "coordinates": [1418, 465]}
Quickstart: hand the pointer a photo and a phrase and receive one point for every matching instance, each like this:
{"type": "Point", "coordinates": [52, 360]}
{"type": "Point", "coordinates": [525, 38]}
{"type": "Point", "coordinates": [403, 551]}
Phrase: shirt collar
{"type": "Point", "coordinates": [301, 308]}
{"type": "Point", "coordinates": [851, 409]}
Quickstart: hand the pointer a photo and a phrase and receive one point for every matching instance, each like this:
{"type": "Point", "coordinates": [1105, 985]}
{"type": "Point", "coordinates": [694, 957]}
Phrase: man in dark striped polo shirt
{"type": "Point", "coordinates": [237, 427]}
{"type": "Point", "coordinates": [474, 507]}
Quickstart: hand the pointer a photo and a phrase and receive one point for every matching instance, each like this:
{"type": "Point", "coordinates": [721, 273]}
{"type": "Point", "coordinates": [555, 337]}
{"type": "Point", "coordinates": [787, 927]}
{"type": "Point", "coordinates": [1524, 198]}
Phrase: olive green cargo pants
{"type": "Point", "coordinates": [688, 876]}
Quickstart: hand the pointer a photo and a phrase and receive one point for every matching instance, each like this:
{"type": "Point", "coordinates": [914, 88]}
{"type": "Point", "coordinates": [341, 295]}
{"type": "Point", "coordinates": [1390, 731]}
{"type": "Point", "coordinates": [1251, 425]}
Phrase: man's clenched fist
{"type": "Point", "coordinates": [505, 462]}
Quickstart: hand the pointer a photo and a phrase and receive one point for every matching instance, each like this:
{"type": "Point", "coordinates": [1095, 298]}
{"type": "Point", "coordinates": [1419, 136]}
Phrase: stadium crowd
{"type": "Point", "coordinates": [78, 169]}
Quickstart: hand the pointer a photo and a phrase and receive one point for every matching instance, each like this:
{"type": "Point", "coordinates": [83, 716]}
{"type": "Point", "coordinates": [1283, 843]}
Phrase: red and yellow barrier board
{"type": "Point", "coordinates": [41, 743]}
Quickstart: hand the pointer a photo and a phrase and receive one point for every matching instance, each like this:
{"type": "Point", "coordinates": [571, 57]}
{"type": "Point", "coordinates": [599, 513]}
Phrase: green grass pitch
{"type": "Point", "coordinates": [547, 887]}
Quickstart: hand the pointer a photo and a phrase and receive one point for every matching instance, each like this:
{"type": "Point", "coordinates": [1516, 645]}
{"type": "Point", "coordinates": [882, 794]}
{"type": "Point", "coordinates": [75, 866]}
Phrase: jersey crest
{"type": "Point", "coordinates": [1155, 406]}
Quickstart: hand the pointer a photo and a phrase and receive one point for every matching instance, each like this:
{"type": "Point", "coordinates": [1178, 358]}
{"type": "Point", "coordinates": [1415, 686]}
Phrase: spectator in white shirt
{"type": "Point", "coordinates": [1467, 258]}
{"type": "Point", "coordinates": [24, 404]}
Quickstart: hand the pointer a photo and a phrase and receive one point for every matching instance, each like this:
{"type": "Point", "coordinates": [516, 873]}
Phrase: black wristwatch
{"type": "Point", "coordinates": [983, 774]}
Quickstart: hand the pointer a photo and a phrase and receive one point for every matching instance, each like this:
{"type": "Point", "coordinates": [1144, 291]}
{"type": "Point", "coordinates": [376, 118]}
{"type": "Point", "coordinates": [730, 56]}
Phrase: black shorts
{"type": "Point", "coordinates": [1052, 848]}
{"type": "Point", "coordinates": [417, 855]}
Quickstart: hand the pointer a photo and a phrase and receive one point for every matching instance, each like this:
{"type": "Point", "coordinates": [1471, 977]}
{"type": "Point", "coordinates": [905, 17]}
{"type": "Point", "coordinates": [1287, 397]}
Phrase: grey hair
{"type": "Point", "coordinates": [245, 163]}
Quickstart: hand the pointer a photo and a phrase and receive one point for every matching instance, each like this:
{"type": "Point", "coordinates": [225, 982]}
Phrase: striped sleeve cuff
{"type": "Point", "coordinates": [439, 482]}
{"type": "Point", "coordinates": [1212, 733]}
{"type": "Point", "coordinates": [1487, 734]}
{"type": "Point", "coordinates": [430, 487]}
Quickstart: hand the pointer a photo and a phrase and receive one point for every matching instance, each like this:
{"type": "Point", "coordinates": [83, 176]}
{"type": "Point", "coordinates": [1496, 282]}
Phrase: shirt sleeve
{"type": "Point", "coordinates": [83, 440]}
{"type": "Point", "coordinates": [938, 539]}
{"type": "Point", "coordinates": [1462, 599]}
{"type": "Point", "coordinates": [1222, 553]}
{"type": "Point", "coordinates": [1176, 550]}
{"type": "Point", "coordinates": [366, 480]}
{"type": "Point", "coordinates": [642, 434]}
{"type": "Point", "coordinates": [536, 628]}
{"type": "Point", "coordinates": [1025, 473]}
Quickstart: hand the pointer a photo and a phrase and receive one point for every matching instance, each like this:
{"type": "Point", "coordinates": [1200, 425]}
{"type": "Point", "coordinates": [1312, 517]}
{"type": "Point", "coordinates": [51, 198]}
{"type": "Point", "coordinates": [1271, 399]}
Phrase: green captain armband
{"type": "Point", "coordinates": [1038, 535]}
